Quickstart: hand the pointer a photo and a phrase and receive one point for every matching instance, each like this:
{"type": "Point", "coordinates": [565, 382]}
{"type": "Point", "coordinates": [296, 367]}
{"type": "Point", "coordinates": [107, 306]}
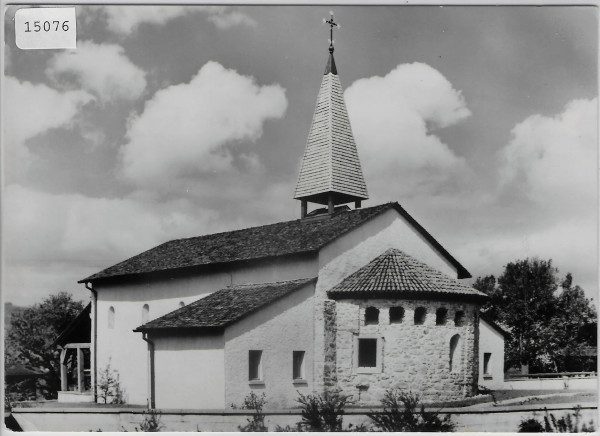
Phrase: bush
{"type": "Point", "coordinates": [323, 412]}
{"type": "Point", "coordinates": [151, 422]}
{"type": "Point", "coordinates": [400, 413]}
{"type": "Point", "coordinates": [568, 423]}
{"type": "Point", "coordinates": [109, 386]}
{"type": "Point", "coordinates": [255, 403]}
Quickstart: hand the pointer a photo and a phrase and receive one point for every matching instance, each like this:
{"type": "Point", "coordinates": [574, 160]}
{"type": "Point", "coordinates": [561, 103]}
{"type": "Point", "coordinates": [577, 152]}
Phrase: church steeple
{"type": "Point", "coordinates": [330, 173]}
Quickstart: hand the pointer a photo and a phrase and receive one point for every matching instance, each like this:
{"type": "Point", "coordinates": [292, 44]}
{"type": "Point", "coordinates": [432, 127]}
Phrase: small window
{"type": "Point", "coordinates": [459, 318]}
{"type": "Point", "coordinates": [440, 316]}
{"type": "Point", "coordinates": [298, 365]}
{"type": "Point", "coordinates": [420, 313]}
{"type": "Point", "coordinates": [455, 354]}
{"type": "Point", "coordinates": [396, 315]}
{"type": "Point", "coordinates": [145, 313]}
{"type": "Point", "coordinates": [486, 363]}
{"type": "Point", "coordinates": [371, 316]}
{"type": "Point", "coordinates": [181, 304]}
{"type": "Point", "coordinates": [255, 365]}
{"type": "Point", "coordinates": [367, 353]}
{"type": "Point", "coordinates": [111, 317]}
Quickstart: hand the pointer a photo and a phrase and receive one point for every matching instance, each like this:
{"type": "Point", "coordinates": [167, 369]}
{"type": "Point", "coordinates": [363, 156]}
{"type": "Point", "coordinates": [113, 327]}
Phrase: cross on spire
{"type": "Point", "coordinates": [332, 24]}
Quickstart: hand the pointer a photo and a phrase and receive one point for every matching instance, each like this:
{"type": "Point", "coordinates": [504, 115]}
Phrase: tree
{"type": "Point", "coordinates": [32, 333]}
{"type": "Point", "coordinates": [547, 328]}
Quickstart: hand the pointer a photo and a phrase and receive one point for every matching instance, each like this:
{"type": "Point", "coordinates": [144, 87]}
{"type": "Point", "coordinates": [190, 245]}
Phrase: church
{"type": "Point", "coordinates": [347, 297]}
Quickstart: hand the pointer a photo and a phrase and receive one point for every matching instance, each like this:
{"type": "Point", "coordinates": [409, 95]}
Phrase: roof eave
{"type": "Point", "coordinates": [407, 295]}
{"type": "Point", "coordinates": [156, 274]}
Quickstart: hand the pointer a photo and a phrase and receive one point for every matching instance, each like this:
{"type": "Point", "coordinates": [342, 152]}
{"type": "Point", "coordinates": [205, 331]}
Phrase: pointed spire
{"type": "Point", "coordinates": [330, 173]}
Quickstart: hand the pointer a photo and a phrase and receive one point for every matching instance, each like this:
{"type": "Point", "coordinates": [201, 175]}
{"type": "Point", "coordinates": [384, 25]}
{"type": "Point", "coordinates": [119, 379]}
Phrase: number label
{"type": "Point", "coordinates": [45, 28]}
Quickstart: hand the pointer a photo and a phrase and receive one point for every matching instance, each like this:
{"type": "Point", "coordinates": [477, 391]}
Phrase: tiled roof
{"type": "Point", "coordinates": [330, 162]}
{"type": "Point", "coordinates": [280, 239]}
{"type": "Point", "coordinates": [225, 307]}
{"type": "Point", "coordinates": [396, 274]}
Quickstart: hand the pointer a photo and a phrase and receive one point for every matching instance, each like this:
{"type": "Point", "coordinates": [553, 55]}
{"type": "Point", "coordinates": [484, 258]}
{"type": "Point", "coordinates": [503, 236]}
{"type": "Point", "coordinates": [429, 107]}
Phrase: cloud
{"type": "Point", "coordinates": [125, 20]}
{"type": "Point", "coordinates": [76, 227]}
{"type": "Point", "coordinates": [101, 69]}
{"type": "Point", "coordinates": [554, 159]}
{"type": "Point", "coordinates": [546, 204]}
{"type": "Point", "coordinates": [393, 118]}
{"type": "Point", "coordinates": [32, 110]}
{"type": "Point", "coordinates": [194, 128]}
{"type": "Point", "coordinates": [227, 19]}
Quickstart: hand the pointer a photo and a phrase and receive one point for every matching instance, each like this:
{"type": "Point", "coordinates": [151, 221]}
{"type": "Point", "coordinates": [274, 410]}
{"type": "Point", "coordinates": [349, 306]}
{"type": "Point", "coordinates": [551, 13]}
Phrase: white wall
{"type": "Point", "coordinates": [491, 341]}
{"type": "Point", "coordinates": [128, 352]}
{"type": "Point", "coordinates": [189, 371]}
{"type": "Point", "coordinates": [278, 330]}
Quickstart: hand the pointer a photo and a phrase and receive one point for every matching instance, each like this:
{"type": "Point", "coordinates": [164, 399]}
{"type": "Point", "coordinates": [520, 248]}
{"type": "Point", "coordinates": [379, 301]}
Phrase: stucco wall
{"type": "Point", "coordinates": [354, 250]}
{"type": "Point", "coordinates": [491, 341]}
{"type": "Point", "coordinates": [278, 330]}
{"type": "Point", "coordinates": [128, 352]}
{"type": "Point", "coordinates": [410, 357]}
{"type": "Point", "coordinates": [189, 371]}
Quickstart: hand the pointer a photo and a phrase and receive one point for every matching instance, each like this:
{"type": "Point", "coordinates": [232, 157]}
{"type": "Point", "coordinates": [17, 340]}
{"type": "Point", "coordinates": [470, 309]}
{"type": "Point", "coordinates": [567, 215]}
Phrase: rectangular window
{"type": "Point", "coordinates": [486, 363]}
{"type": "Point", "coordinates": [367, 353]}
{"type": "Point", "coordinates": [255, 365]}
{"type": "Point", "coordinates": [298, 365]}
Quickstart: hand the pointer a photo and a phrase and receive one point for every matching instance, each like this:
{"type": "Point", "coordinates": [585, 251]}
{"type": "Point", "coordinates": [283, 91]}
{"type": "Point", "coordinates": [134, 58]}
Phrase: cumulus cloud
{"type": "Point", "coordinates": [393, 118]}
{"type": "Point", "coordinates": [548, 187]}
{"type": "Point", "coordinates": [31, 110]}
{"type": "Point", "coordinates": [554, 159]}
{"type": "Point", "coordinates": [186, 129]}
{"type": "Point", "coordinates": [102, 69]}
{"type": "Point", "coordinates": [125, 20]}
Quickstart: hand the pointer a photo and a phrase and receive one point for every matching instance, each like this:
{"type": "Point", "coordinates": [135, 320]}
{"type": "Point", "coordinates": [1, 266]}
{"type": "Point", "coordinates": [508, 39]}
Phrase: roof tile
{"type": "Point", "coordinates": [395, 273]}
{"type": "Point", "coordinates": [226, 306]}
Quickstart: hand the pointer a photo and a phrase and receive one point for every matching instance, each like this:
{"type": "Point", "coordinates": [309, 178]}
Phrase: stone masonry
{"type": "Point", "coordinates": [410, 357]}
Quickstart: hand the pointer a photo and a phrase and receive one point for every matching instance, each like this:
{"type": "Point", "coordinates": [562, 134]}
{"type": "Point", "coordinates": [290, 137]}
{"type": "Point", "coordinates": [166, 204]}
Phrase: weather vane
{"type": "Point", "coordinates": [332, 24]}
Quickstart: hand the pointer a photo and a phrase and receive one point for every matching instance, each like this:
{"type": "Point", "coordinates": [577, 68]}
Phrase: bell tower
{"type": "Point", "coordinates": [330, 173]}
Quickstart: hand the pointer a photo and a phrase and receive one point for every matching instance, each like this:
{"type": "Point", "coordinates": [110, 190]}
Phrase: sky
{"type": "Point", "coordinates": [176, 121]}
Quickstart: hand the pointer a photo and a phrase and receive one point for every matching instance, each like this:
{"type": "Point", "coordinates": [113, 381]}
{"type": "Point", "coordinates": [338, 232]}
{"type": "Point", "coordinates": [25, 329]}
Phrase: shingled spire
{"type": "Point", "coordinates": [330, 173]}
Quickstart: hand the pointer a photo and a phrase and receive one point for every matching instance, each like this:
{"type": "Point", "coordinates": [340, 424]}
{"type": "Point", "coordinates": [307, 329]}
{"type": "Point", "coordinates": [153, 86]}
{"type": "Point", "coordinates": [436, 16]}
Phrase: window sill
{"type": "Point", "coordinates": [256, 383]}
{"type": "Point", "coordinates": [299, 381]}
{"type": "Point", "coordinates": [487, 377]}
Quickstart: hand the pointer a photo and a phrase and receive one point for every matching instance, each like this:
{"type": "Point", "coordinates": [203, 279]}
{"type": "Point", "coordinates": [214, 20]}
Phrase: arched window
{"type": "Point", "coordinates": [440, 316]}
{"type": "Point", "coordinates": [371, 316]}
{"type": "Point", "coordinates": [145, 313]}
{"type": "Point", "coordinates": [455, 354]}
{"type": "Point", "coordinates": [181, 304]}
{"type": "Point", "coordinates": [459, 318]}
{"type": "Point", "coordinates": [111, 317]}
{"type": "Point", "coordinates": [396, 315]}
{"type": "Point", "coordinates": [420, 314]}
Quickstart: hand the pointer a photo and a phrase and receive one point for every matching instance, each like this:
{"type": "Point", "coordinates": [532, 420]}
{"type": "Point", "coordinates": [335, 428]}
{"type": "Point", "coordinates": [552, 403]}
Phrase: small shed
{"type": "Point", "coordinates": [75, 360]}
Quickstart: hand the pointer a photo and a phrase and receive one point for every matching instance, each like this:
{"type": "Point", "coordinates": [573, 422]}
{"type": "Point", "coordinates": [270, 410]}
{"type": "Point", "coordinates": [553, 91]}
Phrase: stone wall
{"type": "Point", "coordinates": [410, 357]}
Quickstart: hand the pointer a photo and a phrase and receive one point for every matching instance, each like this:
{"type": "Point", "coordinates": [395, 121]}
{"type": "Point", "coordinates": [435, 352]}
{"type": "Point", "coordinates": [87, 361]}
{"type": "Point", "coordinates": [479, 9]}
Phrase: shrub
{"type": "Point", "coordinates": [400, 413]}
{"type": "Point", "coordinates": [323, 412]}
{"type": "Point", "coordinates": [568, 423]}
{"type": "Point", "coordinates": [109, 387]}
{"type": "Point", "coordinates": [151, 422]}
{"type": "Point", "coordinates": [255, 403]}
